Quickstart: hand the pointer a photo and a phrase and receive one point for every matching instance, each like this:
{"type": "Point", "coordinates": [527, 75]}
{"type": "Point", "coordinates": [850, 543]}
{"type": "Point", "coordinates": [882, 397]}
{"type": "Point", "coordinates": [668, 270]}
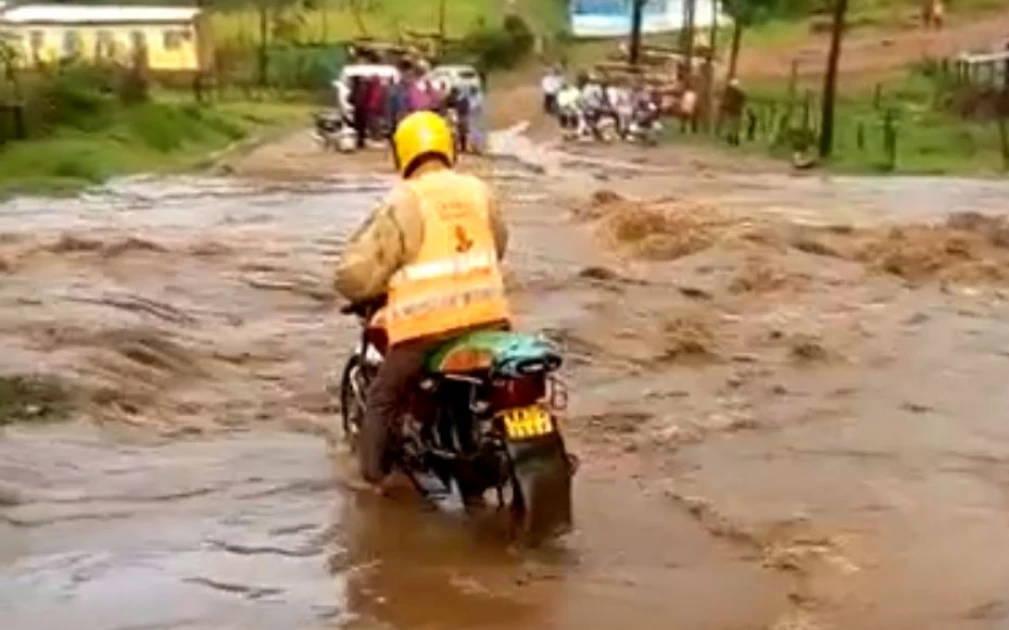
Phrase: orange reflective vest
{"type": "Point", "coordinates": [454, 282]}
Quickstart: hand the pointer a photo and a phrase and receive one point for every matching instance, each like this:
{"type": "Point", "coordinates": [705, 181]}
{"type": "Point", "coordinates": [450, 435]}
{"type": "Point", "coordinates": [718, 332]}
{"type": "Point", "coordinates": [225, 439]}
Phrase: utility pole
{"type": "Point", "coordinates": [689, 27]}
{"type": "Point", "coordinates": [709, 73]}
{"type": "Point", "coordinates": [441, 28]}
{"type": "Point", "coordinates": [637, 17]}
{"type": "Point", "coordinates": [830, 81]}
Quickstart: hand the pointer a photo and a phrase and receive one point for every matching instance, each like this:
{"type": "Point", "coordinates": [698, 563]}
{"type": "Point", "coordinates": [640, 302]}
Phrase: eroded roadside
{"type": "Point", "coordinates": [787, 422]}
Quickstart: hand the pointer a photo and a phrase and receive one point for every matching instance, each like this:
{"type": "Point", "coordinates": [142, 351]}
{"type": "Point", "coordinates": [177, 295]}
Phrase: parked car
{"type": "Point", "coordinates": [462, 76]}
{"type": "Point", "coordinates": [349, 72]}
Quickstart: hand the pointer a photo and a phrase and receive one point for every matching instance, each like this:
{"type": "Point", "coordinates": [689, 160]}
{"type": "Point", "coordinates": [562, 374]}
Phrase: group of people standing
{"type": "Point", "coordinates": [579, 103]}
{"type": "Point", "coordinates": [377, 104]}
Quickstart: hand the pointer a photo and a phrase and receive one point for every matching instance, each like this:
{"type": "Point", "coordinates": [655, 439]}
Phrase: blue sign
{"type": "Point", "coordinates": [613, 8]}
{"type": "Point", "coordinates": [612, 18]}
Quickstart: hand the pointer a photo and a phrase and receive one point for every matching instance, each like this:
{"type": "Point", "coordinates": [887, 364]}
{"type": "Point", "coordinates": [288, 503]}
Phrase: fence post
{"type": "Point", "coordinates": [20, 128]}
{"type": "Point", "coordinates": [793, 87]}
{"type": "Point", "coordinates": [1004, 141]}
{"type": "Point", "coordinates": [807, 111]}
{"type": "Point", "coordinates": [890, 139]}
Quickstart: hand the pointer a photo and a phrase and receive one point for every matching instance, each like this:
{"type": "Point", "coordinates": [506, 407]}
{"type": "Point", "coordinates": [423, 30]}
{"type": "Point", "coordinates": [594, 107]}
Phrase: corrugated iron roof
{"type": "Point", "coordinates": [95, 14]}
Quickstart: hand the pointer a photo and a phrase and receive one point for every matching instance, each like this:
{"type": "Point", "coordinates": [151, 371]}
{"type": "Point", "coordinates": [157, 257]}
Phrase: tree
{"type": "Point", "coordinates": [830, 80]}
{"type": "Point", "coordinates": [637, 19]}
{"type": "Point", "coordinates": [687, 34]}
{"type": "Point", "coordinates": [360, 8]}
{"type": "Point", "coordinates": [745, 13]}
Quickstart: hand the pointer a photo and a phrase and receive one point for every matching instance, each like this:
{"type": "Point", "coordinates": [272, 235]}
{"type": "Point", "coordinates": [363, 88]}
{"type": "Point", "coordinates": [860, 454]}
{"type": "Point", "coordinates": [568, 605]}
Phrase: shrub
{"type": "Point", "coordinates": [78, 166]}
{"type": "Point", "coordinates": [75, 96]}
{"type": "Point", "coordinates": [501, 47]}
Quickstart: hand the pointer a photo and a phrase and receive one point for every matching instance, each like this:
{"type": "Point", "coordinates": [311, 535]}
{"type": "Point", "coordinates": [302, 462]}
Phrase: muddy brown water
{"type": "Point", "coordinates": [135, 287]}
{"type": "Point", "coordinates": [204, 492]}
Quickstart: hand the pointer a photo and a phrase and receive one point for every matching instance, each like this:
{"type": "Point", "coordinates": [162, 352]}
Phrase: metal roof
{"type": "Point", "coordinates": [95, 14]}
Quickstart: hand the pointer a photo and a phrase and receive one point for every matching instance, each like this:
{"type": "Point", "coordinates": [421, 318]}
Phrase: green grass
{"type": "Point", "coordinates": [930, 141]}
{"type": "Point", "coordinates": [334, 22]}
{"type": "Point", "coordinates": [864, 14]}
{"type": "Point", "coordinates": [162, 135]}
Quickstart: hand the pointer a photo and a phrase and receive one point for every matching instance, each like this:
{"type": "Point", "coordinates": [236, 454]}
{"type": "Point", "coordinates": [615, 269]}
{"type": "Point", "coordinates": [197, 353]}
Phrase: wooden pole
{"type": "Point", "coordinates": [830, 81]}
{"type": "Point", "coordinates": [691, 25]}
{"type": "Point", "coordinates": [637, 18]}
{"type": "Point", "coordinates": [264, 30]}
{"type": "Point", "coordinates": [441, 29]}
{"type": "Point", "coordinates": [325, 21]}
{"type": "Point", "coordinates": [1004, 140]}
{"type": "Point", "coordinates": [712, 117]}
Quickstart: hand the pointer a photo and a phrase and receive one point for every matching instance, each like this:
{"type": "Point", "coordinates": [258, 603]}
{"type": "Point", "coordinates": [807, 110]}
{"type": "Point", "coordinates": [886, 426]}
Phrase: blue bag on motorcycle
{"type": "Point", "coordinates": [501, 353]}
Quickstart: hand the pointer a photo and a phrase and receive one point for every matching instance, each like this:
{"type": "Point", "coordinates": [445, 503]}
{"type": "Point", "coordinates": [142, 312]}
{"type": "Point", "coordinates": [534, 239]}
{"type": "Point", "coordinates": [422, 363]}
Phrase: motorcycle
{"type": "Point", "coordinates": [645, 126]}
{"type": "Point", "coordinates": [602, 125]}
{"type": "Point", "coordinates": [482, 418]}
{"type": "Point", "coordinates": [595, 125]}
{"type": "Point", "coordinates": [333, 132]}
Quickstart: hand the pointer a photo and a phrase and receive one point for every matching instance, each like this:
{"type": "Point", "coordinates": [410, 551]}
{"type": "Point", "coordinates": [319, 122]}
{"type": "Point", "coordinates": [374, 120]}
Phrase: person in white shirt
{"type": "Point", "coordinates": [591, 104]}
{"type": "Point", "coordinates": [567, 106]}
{"type": "Point", "coordinates": [551, 85]}
{"type": "Point", "coordinates": [619, 98]}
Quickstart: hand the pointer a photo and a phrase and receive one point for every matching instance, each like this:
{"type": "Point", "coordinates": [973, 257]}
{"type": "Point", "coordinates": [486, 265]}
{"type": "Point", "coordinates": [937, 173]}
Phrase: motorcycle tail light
{"type": "Point", "coordinates": [517, 392]}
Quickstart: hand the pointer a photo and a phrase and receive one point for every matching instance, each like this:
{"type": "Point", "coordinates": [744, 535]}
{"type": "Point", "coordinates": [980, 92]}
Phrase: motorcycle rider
{"type": "Point", "coordinates": [433, 248]}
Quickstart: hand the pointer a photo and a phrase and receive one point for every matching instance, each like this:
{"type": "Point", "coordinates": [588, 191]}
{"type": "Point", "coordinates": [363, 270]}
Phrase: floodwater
{"type": "Point", "coordinates": [734, 488]}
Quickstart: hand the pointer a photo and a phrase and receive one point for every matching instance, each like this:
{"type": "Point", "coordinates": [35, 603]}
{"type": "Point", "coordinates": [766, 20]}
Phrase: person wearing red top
{"type": "Point", "coordinates": [375, 103]}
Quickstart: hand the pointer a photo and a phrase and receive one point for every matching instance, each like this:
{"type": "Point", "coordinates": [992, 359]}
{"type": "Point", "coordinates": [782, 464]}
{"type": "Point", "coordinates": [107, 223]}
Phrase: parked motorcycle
{"type": "Point", "coordinates": [333, 132]}
{"type": "Point", "coordinates": [645, 126]}
{"type": "Point", "coordinates": [482, 418]}
{"type": "Point", "coordinates": [605, 126]}
{"type": "Point", "coordinates": [599, 126]}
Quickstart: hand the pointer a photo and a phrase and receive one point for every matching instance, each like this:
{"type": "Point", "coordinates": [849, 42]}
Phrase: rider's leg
{"type": "Point", "coordinates": [399, 371]}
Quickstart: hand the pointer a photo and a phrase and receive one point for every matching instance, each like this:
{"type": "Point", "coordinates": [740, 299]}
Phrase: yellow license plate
{"type": "Point", "coordinates": [527, 422]}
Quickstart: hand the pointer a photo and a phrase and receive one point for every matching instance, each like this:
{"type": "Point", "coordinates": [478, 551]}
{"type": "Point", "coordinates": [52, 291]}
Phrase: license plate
{"type": "Point", "coordinates": [527, 422]}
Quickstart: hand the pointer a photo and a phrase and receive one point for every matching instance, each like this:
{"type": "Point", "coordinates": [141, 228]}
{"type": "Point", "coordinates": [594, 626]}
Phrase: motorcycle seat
{"type": "Point", "coordinates": [498, 352]}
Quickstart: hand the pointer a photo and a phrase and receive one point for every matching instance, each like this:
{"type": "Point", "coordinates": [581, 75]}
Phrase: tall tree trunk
{"type": "Point", "coordinates": [737, 40]}
{"type": "Point", "coordinates": [709, 88]}
{"type": "Point", "coordinates": [637, 17]}
{"type": "Point", "coordinates": [356, 10]}
{"type": "Point", "coordinates": [690, 26]}
{"type": "Point", "coordinates": [830, 81]}
{"type": "Point", "coordinates": [324, 18]}
{"type": "Point", "coordinates": [441, 28]}
{"type": "Point", "coordinates": [264, 33]}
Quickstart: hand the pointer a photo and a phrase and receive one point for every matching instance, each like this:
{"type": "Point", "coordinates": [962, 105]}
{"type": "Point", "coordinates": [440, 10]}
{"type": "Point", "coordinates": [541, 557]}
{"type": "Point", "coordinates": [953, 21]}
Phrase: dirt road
{"type": "Point", "coordinates": [870, 53]}
{"type": "Point", "coordinates": [791, 412]}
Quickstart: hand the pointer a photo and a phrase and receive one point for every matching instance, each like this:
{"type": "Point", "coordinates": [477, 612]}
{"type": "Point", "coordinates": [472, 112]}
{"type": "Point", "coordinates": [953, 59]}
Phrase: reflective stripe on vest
{"type": "Point", "coordinates": [419, 304]}
{"type": "Point", "coordinates": [457, 265]}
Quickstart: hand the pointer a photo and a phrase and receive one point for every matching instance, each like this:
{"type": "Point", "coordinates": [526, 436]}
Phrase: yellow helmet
{"type": "Point", "coordinates": [422, 134]}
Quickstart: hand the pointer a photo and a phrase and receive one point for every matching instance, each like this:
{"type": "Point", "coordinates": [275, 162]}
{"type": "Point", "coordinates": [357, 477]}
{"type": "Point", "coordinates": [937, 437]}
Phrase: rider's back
{"type": "Point", "coordinates": [394, 234]}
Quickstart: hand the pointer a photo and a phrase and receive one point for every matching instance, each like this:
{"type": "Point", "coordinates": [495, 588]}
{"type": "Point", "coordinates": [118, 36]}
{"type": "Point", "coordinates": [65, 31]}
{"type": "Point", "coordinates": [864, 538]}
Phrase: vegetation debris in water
{"type": "Point", "coordinates": [33, 398]}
